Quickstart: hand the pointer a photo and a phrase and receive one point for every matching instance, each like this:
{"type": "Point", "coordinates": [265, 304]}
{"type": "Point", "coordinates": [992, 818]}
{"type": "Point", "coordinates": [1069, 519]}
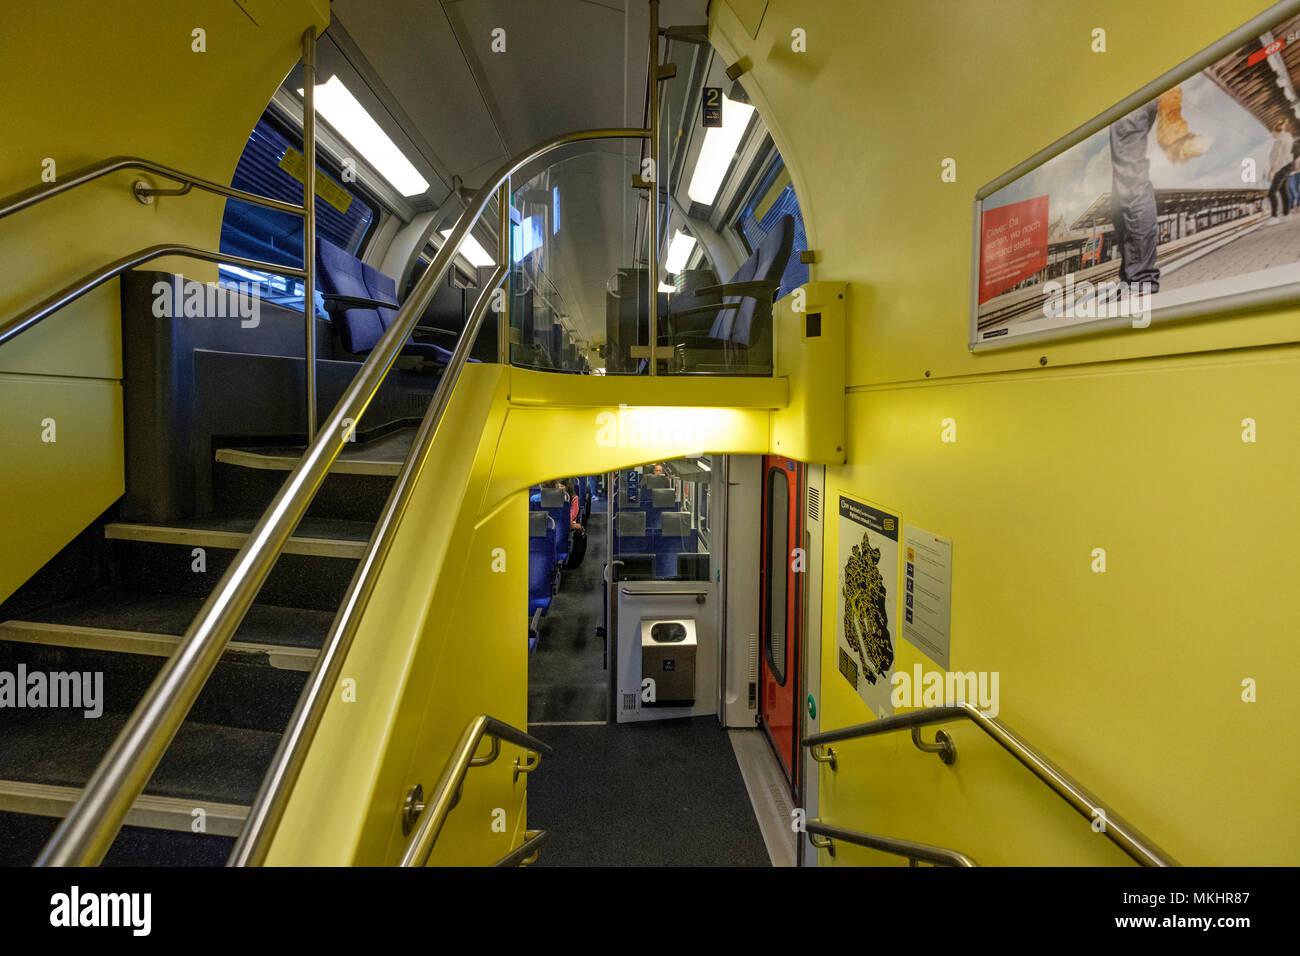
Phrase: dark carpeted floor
{"type": "Point", "coordinates": [567, 679]}
{"type": "Point", "coordinates": [655, 793]}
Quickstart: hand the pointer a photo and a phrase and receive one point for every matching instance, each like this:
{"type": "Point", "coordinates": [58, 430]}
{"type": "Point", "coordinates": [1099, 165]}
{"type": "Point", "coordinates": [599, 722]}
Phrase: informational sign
{"type": "Point", "coordinates": [327, 189]}
{"type": "Point", "coordinates": [1173, 206]}
{"type": "Point", "coordinates": [927, 593]}
{"type": "Point", "coordinates": [867, 580]}
{"type": "Point", "coordinates": [712, 107]}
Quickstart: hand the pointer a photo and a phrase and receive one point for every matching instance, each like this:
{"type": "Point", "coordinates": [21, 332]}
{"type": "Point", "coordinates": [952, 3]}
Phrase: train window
{"type": "Point", "coordinates": [271, 165]}
{"type": "Point", "coordinates": [773, 198]}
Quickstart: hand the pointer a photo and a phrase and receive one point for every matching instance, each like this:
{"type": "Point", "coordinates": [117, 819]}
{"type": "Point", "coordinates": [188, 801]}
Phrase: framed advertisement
{"type": "Point", "coordinates": [1181, 200]}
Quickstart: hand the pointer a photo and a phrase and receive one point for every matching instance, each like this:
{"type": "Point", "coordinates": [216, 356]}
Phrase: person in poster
{"type": "Point", "coordinates": [868, 575]}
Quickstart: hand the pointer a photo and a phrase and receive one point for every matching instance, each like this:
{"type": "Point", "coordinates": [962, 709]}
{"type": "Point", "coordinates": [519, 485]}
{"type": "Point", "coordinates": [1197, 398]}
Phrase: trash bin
{"type": "Point", "coordinates": [668, 657]}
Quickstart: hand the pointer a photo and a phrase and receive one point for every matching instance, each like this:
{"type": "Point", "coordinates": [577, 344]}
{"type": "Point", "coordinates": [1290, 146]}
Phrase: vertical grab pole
{"type": "Point", "coordinates": [503, 254]}
{"type": "Point", "coordinates": [652, 220]}
{"type": "Point", "coordinates": [309, 219]}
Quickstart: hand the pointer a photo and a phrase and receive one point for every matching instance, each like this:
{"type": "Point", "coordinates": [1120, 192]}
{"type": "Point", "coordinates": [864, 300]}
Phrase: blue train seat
{"type": "Point", "coordinates": [551, 501]}
{"type": "Point", "coordinates": [541, 562]}
{"type": "Point", "coordinates": [362, 302]}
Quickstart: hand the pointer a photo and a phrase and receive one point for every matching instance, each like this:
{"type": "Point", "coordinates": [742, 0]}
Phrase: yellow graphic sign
{"type": "Point", "coordinates": [326, 188]}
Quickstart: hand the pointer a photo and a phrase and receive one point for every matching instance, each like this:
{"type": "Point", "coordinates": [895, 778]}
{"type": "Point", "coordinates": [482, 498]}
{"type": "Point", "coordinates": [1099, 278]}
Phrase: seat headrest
{"type": "Point", "coordinates": [631, 524]}
{"type": "Point", "coordinates": [538, 523]}
{"type": "Point", "coordinates": [663, 498]}
{"type": "Point", "coordinates": [551, 498]}
{"type": "Point", "coordinates": [381, 286]}
{"type": "Point", "coordinates": [656, 481]}
{"type": "Point", "coordinates": [677, 524]}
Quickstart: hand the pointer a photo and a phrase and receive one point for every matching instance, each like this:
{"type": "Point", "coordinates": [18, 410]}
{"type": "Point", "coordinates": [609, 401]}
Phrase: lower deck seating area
{"type": "Point", "coordinates": [554, 543]}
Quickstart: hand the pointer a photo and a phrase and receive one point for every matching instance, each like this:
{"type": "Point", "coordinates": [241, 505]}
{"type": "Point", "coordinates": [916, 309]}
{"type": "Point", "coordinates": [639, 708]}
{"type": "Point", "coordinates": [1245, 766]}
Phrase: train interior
{"type": "Point", "coordinates": [481, 433]}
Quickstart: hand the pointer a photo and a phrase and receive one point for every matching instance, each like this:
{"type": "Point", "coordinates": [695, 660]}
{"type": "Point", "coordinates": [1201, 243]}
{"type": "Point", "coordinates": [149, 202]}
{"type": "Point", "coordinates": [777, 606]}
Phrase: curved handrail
{"type": "Point", "coordinates": [433, 814]}
{"type": "Point", "coordinates": [1118, 830]}
{"type": "Point", "coordinates": [84, 835]}
{"type": "Point", "coordinates": [26, 198]}
{"type": "Point", "coordinates": [938, 855]}
{"type": "Point", "coordinates": [11, 327]}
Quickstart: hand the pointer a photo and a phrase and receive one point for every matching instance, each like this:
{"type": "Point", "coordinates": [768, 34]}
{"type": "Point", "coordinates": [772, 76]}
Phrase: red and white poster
{"type": "Point", "coordinates": [1013, 245]}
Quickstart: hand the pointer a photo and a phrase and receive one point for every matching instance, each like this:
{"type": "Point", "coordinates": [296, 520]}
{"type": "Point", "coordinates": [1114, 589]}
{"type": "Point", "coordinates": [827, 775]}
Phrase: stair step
{"type": "Point", "coordinates": [379, 456]}
{"type": "Point", "coordinates": [156, 813]}
{"type": "Point", "coordinates": [105, 618]}
{"type": "Point", "coordinates": [140, 642]}
{"type": "Point", "coordinates": [206, 764]}
{"type": "Point", "coordinates": [314, 536]}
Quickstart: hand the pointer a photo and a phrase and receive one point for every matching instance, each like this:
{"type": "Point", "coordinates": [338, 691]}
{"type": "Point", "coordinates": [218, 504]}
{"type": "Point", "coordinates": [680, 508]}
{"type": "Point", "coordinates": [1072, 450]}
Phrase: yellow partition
{"type": "Point", "coordinates": [445, 635]}
{"type": "Point", "coordinates": [1130, 441]}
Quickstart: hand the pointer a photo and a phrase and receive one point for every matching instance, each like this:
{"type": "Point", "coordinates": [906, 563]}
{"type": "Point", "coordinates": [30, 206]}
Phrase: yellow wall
{"type": "Point", "coordinates": [1130, 679]}
{"type": "Point", "coordinates": [82, 81]}
{"type": "Point", "coordinates": [427, 659]}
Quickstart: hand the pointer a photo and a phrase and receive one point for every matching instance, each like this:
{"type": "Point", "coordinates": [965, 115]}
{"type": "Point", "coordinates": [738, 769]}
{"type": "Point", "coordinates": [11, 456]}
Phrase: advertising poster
{"type": "Point", "coordinates": [867, 579]}
{"type": "Point", "coordinates": [1191, 197]}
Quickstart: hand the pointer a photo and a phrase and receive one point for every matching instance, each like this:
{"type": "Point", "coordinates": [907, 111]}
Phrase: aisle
{"type": "Point", "coordinates": [567, 679]}
{"type": "Point", "coordinates": [654, 793]}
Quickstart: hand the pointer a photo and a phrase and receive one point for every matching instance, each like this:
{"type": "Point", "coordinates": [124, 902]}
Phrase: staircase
{"type": "Point", "coordinates": [115, 603]}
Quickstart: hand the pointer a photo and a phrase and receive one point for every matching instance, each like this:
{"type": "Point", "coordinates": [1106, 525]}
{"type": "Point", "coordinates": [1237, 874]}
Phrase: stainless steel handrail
{"type": "Point", "coordinates": [84, 835]}
{"type": "Point", "coordinates": [434, 813]}
{"type": "Point", "coordinates": [939, 855]}
{"type": "Point", "coordinates": [533, 840]}
{"type": "Point", "coordinates": [30, 197]}
{"type": "Point", "coordinates": [1118, 830]}
{"type": "Point", "coordinates": [11, 327]}
{"type": "Point", "coordinates": [272, 797]}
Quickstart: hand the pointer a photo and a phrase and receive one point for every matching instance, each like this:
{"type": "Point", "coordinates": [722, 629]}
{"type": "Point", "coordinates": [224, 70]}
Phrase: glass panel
{"type": "Point", "coordinates": [578, 296]}
{"type": "Point", "coordinates": [656, 531]}
{"type": "Point", "coordinates": [778, 550]}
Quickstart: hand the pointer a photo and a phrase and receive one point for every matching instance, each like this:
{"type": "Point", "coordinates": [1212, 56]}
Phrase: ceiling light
{"type": "Point", "coordinates": [342, 111]}
{"type": "Point", "coordinates": [471, 250]}
{"type": "Point", "coordinates": [679, 250]}
{"type": "Point", "coordinates": [720, 144]}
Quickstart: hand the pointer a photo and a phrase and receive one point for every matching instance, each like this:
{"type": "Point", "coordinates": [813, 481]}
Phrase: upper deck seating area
{"type": "Point", "coordinates": [362, 302]}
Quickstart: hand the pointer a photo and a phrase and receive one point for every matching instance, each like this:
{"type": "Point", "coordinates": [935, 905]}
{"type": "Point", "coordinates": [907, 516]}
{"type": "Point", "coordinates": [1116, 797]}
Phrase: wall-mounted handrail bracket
{"type": "Point", "coordinates": [824, 754]}
{"type": "Point", "coordinates": [822, 842]}
{"type": "Point", "coordinates": [943, 745]}
{"type": "Point", "coordinates": [525, 765]}
{"type": "Point", "coordinates": [490, 756]}
{"type": "Point", "coordinates": [412, 807]}
{"type": "Point", "coordinates": [145, 192]}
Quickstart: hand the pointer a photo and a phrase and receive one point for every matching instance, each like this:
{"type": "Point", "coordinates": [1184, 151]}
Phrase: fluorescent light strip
{"type": "Point", "coordinates": [471, 250]}
{"type": "Point", "coordinates": [679, 250]}
{"type": "Point", "coordinates": [342, 111]}
{"type": "Point", "coordinates": [720, 144]}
